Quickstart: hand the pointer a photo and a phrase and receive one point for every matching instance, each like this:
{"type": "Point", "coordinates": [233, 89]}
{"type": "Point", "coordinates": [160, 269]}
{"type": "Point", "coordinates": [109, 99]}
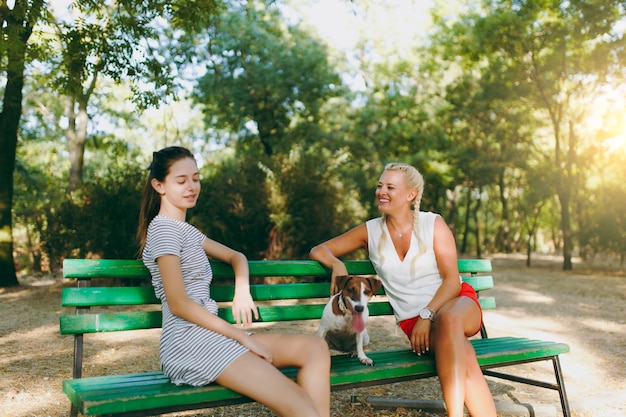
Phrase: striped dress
{"type": "Point", "coordinates": [190, 354]}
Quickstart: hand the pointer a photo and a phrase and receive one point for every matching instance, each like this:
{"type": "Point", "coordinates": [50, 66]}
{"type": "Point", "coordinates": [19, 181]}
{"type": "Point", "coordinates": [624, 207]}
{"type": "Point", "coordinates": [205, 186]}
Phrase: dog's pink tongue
{"type": "Point", "coordinates": [357, 322]}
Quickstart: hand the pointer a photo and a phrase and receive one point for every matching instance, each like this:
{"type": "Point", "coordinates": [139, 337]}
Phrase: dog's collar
{"type": "Point", "coordinates": [341, 304]}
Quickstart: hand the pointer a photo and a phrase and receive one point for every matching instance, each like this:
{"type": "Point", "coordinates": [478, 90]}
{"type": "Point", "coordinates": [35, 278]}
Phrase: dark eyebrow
{"type": "Point", "coordinates": [184, 175]}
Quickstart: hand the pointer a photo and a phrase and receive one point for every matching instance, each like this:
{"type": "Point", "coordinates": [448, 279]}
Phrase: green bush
{"type": "Point", "coordinates": [99, 221]}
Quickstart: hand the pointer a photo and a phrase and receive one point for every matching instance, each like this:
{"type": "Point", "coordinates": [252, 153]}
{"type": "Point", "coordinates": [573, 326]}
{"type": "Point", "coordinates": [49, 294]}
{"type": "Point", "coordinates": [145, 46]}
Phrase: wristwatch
{"type": "Point", "coordinates": [427, 314]}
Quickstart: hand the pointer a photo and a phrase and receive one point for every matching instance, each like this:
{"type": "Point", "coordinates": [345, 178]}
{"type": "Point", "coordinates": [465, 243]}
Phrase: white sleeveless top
{"type": "Point", "coordinates": [410, 284]}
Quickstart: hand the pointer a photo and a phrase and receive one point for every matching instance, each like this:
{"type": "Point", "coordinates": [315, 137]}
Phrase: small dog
{"type": "Point", "coordinates": [345, 316]}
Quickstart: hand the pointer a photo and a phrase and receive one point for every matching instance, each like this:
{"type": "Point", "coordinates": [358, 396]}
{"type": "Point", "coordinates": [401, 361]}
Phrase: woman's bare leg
{"type": "Point", "coordinates": [478, 398]}
{"type": "Point", "coordinates": [254, 377]}
{"type": "Point", "coordinates": [461, 379]}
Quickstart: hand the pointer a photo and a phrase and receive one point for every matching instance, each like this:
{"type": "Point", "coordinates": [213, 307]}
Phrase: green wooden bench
{"type": "Point", "coordinates": [151, 393]}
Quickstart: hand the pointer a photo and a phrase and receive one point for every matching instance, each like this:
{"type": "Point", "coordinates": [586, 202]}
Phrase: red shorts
{"type": "Point", "coordinates": [466, 291]}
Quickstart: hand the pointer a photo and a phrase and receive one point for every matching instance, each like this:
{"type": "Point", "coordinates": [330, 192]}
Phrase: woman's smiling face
{"type": "Point", "coordinates": [392, 191]}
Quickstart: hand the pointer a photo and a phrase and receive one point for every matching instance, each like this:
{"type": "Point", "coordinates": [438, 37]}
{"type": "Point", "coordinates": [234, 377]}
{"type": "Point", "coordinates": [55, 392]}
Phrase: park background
{"type": "Point", "coordinates": [512, 110]}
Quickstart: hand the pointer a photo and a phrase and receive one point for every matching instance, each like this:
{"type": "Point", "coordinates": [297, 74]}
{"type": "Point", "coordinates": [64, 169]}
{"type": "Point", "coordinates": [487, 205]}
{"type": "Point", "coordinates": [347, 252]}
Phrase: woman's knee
{"type": "Point", "coordinates": [462, 315]}
{"type": "Point", "coordinates": [319, 349]}
{"type": "Point", "coordinates": [321, 345]}
{"type": "Point", "coordinates": [449, 320]}
{"type": "Point", "coordinates": [310, 349]}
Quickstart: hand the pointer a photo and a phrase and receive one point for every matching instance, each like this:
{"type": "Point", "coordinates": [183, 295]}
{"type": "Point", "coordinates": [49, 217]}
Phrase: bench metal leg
{"type": "Point", "coordinates": [483, 332]}
{"type": "Point", "coordinates": [558, 386]}
{"type": "Point", "coordinates": [561, 384]}
{"type": "Point", "coordinates": [77, 368]}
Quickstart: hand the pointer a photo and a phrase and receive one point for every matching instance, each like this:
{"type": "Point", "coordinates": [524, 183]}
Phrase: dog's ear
{"type": "Point", "coordinates": [375, 283]}
{"type": "Point", "coordinates": [340, 281]}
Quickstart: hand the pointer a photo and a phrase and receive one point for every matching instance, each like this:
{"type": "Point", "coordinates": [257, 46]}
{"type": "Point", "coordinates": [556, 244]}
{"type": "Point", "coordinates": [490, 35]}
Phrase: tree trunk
{"type": "Point", "coordinates": [477, 224]}
{"type": "Point", "coordinates": [531, 242]}
{"type": "Point", "coordinates": [76, 135]}
{"type": "Point", "coordinates": [16, 26]}
{"type": "Point", "coordinates": [504, 233]}
{"type": "Point", "coordinates": [9, 119]}
{"type": "Point", "coordinates": [565, 197]}
{"type": "Point", "coordinates": [556, 109]}
{"type": "Point", "coordinates": [35, 252]}
{"type": "Point", "coordinates": [468, 215]}
{"type": "Point", "coordinates": [566, 229]}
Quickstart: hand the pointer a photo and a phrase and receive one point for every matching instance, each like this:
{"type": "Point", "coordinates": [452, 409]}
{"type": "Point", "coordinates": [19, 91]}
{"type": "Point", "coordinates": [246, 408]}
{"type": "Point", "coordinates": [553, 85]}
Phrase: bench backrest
{"type": "Point", "coordinates": [300, 300]}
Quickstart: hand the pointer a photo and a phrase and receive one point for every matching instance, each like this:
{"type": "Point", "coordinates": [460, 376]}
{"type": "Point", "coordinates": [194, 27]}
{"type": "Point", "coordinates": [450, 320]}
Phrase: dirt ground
{"type": "Point", "coordinates": [584, 308]}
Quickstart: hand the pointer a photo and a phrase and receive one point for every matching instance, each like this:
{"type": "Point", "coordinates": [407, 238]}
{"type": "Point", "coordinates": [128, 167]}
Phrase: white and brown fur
{"type": "Point", "coordinates": [336, 324]}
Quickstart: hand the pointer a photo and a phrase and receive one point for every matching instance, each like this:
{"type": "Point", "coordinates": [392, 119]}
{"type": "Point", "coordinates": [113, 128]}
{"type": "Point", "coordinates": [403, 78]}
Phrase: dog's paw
{"type": "Point", "coordinates": [366, 361]}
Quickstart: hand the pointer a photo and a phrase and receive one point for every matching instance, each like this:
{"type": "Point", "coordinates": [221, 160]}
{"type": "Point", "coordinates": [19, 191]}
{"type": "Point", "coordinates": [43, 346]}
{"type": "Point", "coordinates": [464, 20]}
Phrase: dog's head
{"type": "Point", "coordinates": [357, 290]}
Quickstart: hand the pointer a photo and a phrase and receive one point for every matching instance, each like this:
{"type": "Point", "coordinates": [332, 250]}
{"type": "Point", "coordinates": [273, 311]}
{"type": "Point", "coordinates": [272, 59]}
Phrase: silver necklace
{"type": "Point", "coordinates": [400, 233]}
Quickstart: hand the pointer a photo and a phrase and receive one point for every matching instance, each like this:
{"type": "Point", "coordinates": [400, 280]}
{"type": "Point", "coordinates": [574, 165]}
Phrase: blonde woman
{"type": "Point", "coordinates": [414, 254]}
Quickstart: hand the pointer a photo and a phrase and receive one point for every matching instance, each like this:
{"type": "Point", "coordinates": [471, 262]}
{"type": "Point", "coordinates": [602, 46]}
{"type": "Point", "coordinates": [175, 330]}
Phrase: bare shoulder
{"type": "Point", "coordinates": [443, 239]}
{"type": "Point", "coordinates": [441, 225]}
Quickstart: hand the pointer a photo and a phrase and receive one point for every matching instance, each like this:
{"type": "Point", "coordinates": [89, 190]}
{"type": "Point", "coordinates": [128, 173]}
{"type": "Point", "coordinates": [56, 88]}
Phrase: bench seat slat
{"type": "Point", "coordinates": [104, 268]}
{"type": "Point", "coordinates": [480, 282]}
{"type": "Point", "coordinates": [103, 296]}
{"type": "Point", "coordinates": [109, 296]}
{"type": "Point", "coordinates": [515, 350]}
{"type": "Point", "coordinates": [132, 268]}
{"type": "Point", "coordinates": [270, 292]}
{"type": "Point", "coordinates": [487, 303]}
{"type": "Point", "coordinates": [137, 320]}
{"type": "Point", "coordinates": [109, 322]}
{"type": "Point", "coordinates": [475, 266]}
{"type": "Point", "coordinates": [135, 269]}
{"type": "Point", "coordinates": [265, 292]}
{"type": "Point", "coordinates": [127, 393]}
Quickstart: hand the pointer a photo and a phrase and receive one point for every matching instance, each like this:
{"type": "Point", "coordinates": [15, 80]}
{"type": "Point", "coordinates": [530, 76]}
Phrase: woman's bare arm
{"type": "Point", "coordinates": [328, 253]}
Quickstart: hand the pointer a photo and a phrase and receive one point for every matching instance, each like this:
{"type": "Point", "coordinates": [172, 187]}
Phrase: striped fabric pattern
{"type": "Point", "coordinates": [190, 354]}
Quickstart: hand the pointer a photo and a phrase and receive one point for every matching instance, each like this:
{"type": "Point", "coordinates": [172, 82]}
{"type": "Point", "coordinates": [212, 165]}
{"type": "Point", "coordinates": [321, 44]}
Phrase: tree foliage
{"type": "Point", "coordinates": [91, 39]}
{"type": "Point", "coordinates": [552, 57]}
{"type": "Point", "coordinates": [267, 84]}
{"type": "Point", "coordinates": [263, 77]}
{"type": "Point", "coordinates": [511, 111]}
{"type": "Point", "coordinates": [117, 40]}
